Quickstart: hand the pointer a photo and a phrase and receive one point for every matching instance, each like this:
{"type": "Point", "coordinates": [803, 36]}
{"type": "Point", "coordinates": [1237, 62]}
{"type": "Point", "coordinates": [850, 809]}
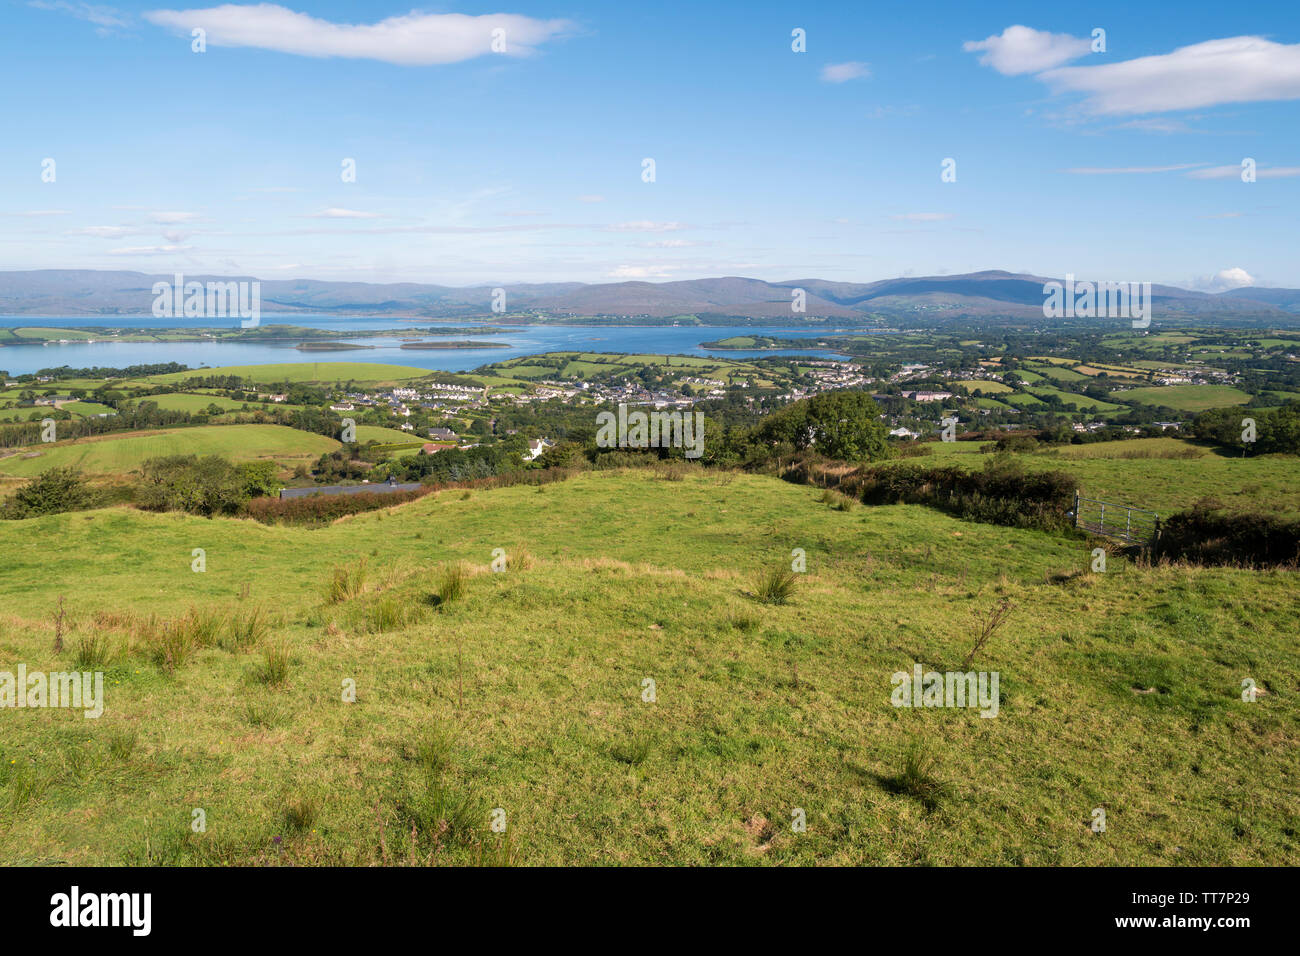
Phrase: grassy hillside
{"type": "Point", "coordinates": [1119, 690]}
{"type": "Point", "coordinates": [1160, 474]}
{"type": "Point", "coordinates": [113, 454]}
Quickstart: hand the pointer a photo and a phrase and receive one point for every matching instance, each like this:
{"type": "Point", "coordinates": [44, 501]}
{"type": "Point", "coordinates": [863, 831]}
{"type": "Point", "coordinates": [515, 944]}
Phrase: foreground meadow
{"type": "Point", "coordinates": [525, 690]}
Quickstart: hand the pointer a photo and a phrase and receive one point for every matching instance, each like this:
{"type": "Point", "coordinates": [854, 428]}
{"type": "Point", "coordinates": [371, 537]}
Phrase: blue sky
{"type": "Point", "coordinates": [474, 166]}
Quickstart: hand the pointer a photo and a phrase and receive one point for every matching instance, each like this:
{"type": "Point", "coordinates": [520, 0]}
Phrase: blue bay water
{"type": "Point", "coordinates": [516, 341]}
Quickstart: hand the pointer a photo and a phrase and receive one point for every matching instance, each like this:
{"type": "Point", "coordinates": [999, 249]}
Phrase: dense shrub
{"type": "Point", "coordinates": [210, 485]}
{"type": "Point", "coordinates": [1208, 535]}
{"type": "Point", "coordinates": [1003, 493]}
{"type": "Point", "coordinates": [52, 492]}
{"type": "Point", "coordinates": [319, 509]}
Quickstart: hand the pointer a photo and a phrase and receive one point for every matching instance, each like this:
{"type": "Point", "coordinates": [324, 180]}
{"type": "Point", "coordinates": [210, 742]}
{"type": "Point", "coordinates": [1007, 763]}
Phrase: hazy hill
{"type": "Point", "coordinates": [990, 294]}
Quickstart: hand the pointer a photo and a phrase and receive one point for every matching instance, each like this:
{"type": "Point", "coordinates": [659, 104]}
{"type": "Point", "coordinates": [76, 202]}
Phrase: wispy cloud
{"type": "Point", "coordinates": [843, 72]}
{"type": "Point", "coordinates": [645, 225]}
{"type": "Point", "coordinates": [148, 250]}
{"type": "Point", "coordinates": [170, 218]}
{"type": "Point", "coordinates": [923, 216]}
{"type": "Point", "coordinates": [414, 39]}
{"type": "Point", "coordinates": [105, 17]}
{"type": "Point", "coordinates": [1234, 172]}
{"type": "Point", "coordinates": [336, 213]}
{"type": "Point", "coordinates": [1129, 170]}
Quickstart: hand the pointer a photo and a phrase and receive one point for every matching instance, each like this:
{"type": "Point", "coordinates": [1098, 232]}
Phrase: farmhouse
{"type": "Point", "coordinates": [442, 434]}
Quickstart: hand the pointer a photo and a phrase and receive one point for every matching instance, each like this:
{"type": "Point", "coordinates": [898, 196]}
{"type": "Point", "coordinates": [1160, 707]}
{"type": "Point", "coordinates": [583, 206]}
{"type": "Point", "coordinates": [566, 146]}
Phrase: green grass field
{"type": "Point", "coordinates": [329, 372]}
{"type": "Point", "coordinates": [1118, 690]}
{"type": "Point", "coordinates": [1186, 398]}
{"type": "Point", "coordinates": [1160, 474]}
{"type": "Point", "coordinates": [117, 455]}
{"type": "Point", "coordinates": [380, 434]}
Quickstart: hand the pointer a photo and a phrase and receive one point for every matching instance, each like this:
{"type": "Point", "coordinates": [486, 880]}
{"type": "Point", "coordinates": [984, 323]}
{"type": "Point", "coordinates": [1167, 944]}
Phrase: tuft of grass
{"type": "Point", "coordinates": [388, 613]}
{"type": "Point", "coordinates": [433, 752]}
{"type": "Point", "coordinates": [275, 666]}
{"type": "Point", "coordinates": [247, 629]}
{"type": "Point", "coordinates": [745, 622]}
{"type": "Point", "coordinates": [205, 627]}
{"type": "Point", "coordinates": [442, 814]}
{"type": "Point", "coordinates": [91, 652]}
{"type": "Point", "coordinates": [263, 715]}
{"type": "Point", "coordinates": [917, 779]}
{"type": "Point", "coordinates": [838, 500]}
{"type": "Point", "coordinates": [632, 751]}
{"type": "Point", "coordinates": [121, 744]}
{"type": "Point", "coordinates": [452, 583]}
{"type": "Point", "coordinates": [300, 813]}
{"type": "Point", "coordinates": [775, 586]}
{"type": "Point", "coordinates": [168, 642]}
{"type": "Point", "coordinates": [346, 582]}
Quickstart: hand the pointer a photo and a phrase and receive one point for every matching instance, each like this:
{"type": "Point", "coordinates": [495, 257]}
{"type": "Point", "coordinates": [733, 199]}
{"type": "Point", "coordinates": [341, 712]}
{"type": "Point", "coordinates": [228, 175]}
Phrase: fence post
{"type": "Point", "coordinates": [1076, 507]}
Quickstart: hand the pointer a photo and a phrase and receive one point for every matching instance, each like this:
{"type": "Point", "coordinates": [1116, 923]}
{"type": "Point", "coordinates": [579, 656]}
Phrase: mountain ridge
{"type": "Point", "coordinates": [985, 294]}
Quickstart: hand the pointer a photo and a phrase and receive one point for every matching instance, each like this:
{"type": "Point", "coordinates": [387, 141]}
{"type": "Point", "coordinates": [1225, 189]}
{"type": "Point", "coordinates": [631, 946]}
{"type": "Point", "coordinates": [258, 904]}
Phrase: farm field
{"type": "Point", "coordinates": [112, 454]}
{"type": "Point", "coordinates": [1186, 398]}
{"type": "Point", "coordinates": [1153, 473]}
{"type": "Point", "coordinates": [378, 433]}
{"type": "Point", "coordinates": [328, 372]}
{"type": "Point", "coordinates": [525, 693]}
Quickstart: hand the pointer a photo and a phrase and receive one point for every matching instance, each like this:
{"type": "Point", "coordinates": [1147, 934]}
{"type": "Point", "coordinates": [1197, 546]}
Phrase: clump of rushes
{"type": "Point", "coordinates": [346, 581]}
{"type": "Point", "coordinates": [917, 779]}
{"type": "Point", "coordinates": [775, 586]}
{"type": "Point", "coordinates": [452, 582]}
{"type": "Point", "coordinates": [247, 629]}
{"type": "Point", "coordinates": [275, 666]}
{"type": "Point", "coordinates": [91, 652]}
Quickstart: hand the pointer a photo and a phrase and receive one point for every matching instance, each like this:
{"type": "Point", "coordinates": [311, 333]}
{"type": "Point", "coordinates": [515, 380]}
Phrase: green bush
{"type": "Point", "coordinates": [52, 492]}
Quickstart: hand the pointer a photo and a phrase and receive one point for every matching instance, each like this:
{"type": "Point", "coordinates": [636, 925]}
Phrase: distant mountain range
{"type": "Point", "coordinates": [920, 299]}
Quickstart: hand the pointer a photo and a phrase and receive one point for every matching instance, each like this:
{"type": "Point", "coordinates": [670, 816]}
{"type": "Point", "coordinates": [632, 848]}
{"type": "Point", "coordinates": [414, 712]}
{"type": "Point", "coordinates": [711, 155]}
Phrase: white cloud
{"type": "Point", "coordinates": [923, 216]}
{"type": "Point", "coordinates": [1234, 172]}
{"type": "Point", "coordinates": [645, 225]}
{"type": "Point", "coordinates": [1241, 69]}
{"type": "Point", "coordinates": [591, 197]}
{"type": "Point", "coordinates": [639, 272]}
{"type": "Point", "coordinates": [414, 39]}
{"type": "Point", "coordinates": [170, 218]}
{"type": "Point", "coordinates": [335, 213]}
{"type": "Point", "coordinates": [1021, 49]}
{"type": "Point", "coordinates": [1225, 279]}
{"type": "Point", "coordinates": [843, 72]}
{"type": "Point", "coordinates": [44, 212]}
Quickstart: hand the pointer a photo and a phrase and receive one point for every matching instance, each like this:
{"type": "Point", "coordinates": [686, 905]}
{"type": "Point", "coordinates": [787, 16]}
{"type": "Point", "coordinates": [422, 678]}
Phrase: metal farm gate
{"type": "Point", "coordinates": [1133, 525]}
